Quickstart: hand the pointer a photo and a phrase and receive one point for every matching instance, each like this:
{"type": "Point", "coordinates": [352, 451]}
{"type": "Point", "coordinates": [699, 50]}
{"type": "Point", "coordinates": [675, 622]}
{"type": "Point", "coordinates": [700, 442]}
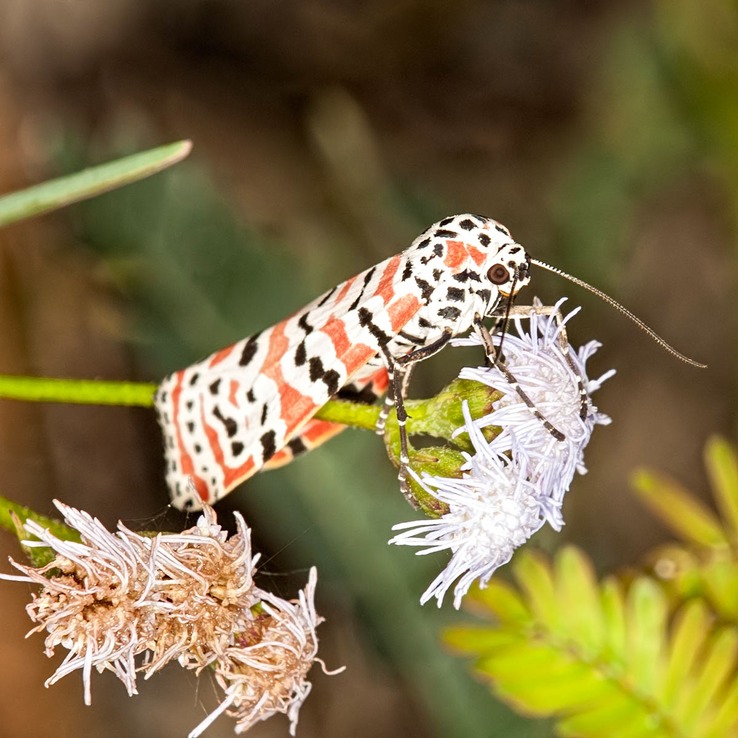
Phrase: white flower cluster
{"type": "Point", "coordinates": [515, 483]}
{"type": "Point", "coordinates": [132, 603]}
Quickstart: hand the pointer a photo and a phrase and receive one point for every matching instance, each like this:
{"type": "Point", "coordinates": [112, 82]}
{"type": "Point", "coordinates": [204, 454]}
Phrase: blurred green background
{"type": "Point", "coordinates": [327, 135]}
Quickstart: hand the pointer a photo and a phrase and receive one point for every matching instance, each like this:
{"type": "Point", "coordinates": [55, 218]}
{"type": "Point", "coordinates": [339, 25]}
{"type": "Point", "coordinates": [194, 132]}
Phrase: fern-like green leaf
{"type": "Point", "coordinates": [722, 466]}
{"type": "Point", "coordinates": [602, 659]}
{"type": "Point", "coordinates": [706, 563]}
{"type": "Point", "coordinates": [613, 610]}
{"type": "Point", "coordinates": [689, 518]}
{"type": "Point", "coordinates": [704, 686]}
{"type": "Point", "coordinates": [578, 598]}
{"type": "Point", "coordinates": [691, 629]}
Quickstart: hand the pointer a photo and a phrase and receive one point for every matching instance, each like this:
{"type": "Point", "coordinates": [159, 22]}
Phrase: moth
{"type": "Point", "coordinates": [251, 405]}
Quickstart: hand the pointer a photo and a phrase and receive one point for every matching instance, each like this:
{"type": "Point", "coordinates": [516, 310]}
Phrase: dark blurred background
{"type": "Point", "coordinates": [327, 135]}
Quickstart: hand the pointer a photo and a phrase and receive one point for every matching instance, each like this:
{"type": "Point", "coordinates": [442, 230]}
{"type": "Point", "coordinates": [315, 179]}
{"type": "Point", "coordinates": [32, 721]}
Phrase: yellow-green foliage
{"type": "Point", "coordinates": [654, 655]}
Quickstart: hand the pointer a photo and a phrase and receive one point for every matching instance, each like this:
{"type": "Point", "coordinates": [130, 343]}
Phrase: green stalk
{"type": "Point", "coordinates": [437, 417]}
{"type": "Point", "coordinates": [77, 391]}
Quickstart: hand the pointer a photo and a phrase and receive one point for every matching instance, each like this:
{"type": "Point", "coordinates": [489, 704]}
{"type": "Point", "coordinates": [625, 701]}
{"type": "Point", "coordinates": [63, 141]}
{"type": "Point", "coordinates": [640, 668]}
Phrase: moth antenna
{"type": "Point", "coordinates": [603, 296]}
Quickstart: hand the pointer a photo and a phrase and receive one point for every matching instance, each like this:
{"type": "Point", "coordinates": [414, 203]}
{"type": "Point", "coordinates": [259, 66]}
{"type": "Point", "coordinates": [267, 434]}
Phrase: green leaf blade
{"type": "Point", "coordinates": [720, 586]}
{"type": "Point", "coordinates": [712, 676]}
{"type": "Point", "coordinates": [690, 631]}
{"type": "Point", "coordinates": [606, 659]}
{"type": "Point", "coordinates": [620, 716]}
{"type": "Point", "coordinates": [646, 615]}
{"type": "Point", "coordinates": [12, 518]}
{"type": "Point", "coordinates": [534, 575]}
{"type": "Point", "coordinates": [722, 467]}
{"type": "Point", "coordinates": [88, 183]}
{"type": "Point", "coordinates": [612, 603]}
{"type": "Point", "coordinates": [500, 600]}
{"type": "Point", "coordinates": [579, 602]}
{"type": "Point", "coordinates": [478, 640]}
{"type": "Point", "coordinates": [542, 678]}
{"type": "Point", "coordinates": [725, 720]}
{"type": "Point", "coordinates": [680, 510]}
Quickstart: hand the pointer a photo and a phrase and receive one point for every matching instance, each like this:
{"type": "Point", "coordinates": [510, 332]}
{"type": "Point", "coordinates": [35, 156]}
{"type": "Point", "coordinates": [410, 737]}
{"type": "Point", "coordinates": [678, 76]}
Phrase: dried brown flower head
{"type": "Point", "coordinates": [188, 597]}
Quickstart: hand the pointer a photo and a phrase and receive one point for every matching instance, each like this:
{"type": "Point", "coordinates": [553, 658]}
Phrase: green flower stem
{"type": "Point", "coordinates": [441, 416]}
{"type": "Point", "coordinates": [350, 413]}
{"type": "Point", "coordinates": [437, 417]}
{"type": "Point", "coordinates": [63, 191]}
{"type": "Point", "coordinates": [426, 414]}
{"type": "Point", "coordinates": [77, 391]}
{"type": "Point", "coordinates": [141, 394]}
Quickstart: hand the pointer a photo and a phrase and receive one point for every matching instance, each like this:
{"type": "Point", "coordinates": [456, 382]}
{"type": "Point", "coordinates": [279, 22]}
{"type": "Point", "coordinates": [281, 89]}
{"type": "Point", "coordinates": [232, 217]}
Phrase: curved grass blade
{"type": "Point", "coordinates": [72, 188]}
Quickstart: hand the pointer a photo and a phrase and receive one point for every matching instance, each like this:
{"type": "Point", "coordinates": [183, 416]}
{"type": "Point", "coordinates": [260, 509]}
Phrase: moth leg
{"type": "Point", "coordinates": [407, 361]}
{"type": "Point", "coordinates": [563, 341]}
{"type": "Point", "coordinates": [389, 399]}
{"type": "Point", "coordinates": [399, 370]}
{"type": "Point", "coordinates": [494, 359]}
{"type": "Point", "coordinates": [395, 398]}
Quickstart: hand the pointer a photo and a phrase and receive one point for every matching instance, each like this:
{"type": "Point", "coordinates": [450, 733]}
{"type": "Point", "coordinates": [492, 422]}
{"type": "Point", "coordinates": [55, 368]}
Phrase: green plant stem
{"type": "Point", "coordinates": [437, 416]}
{"type": "Point", "coordinates": [77, 391]}
{"type": "Point", "coordinates": [141, 394]}
{"type": "Point", "coordinates": [350, 413]}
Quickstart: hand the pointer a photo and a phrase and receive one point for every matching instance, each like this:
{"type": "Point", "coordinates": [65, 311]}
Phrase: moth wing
{"type": "Point", "coordinates": [225, 417]}
{"type": "Point", "coordinates": [316, 432]}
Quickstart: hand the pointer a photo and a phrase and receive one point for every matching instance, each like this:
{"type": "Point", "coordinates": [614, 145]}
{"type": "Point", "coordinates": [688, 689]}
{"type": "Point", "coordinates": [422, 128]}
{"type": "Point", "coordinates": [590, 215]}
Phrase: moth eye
{"type": "Point", "coordinates": [498, 274]}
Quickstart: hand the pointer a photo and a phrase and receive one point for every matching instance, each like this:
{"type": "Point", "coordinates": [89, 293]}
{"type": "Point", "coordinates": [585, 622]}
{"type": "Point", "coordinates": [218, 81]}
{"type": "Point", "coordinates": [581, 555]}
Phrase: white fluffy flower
{"type": "Point", "coordinates": [513, 484]}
